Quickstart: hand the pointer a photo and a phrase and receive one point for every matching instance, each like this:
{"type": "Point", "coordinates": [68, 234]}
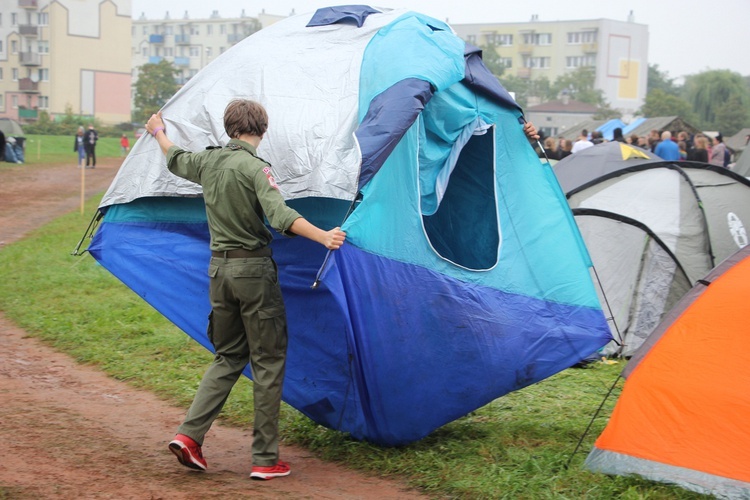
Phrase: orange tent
{"type": "Point", "coordinates": [684, 413]}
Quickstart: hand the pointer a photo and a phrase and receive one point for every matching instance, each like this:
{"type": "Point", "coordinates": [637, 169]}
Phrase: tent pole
{"type": "Point", "coordinates": [591, 422]}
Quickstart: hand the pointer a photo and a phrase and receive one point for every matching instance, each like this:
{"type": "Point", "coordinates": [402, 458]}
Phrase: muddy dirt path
{"type": "Point", "coordinates": [69, 431]}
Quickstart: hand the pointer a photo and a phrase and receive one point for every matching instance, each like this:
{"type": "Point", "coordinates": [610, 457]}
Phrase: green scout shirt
{"type": "Point", "coordinates": [238, 190]}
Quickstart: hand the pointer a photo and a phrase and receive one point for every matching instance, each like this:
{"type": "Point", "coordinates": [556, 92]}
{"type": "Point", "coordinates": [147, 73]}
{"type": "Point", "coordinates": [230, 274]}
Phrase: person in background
{"type": "Point", "coordinates": [654, 138]}
{"type": "Point", "coordinates": [617, 135]}
{"type": "Point", "coordinates": [667, 149]}
{"type": "Point", "coordinates": [551, 149]}
{"type": "Point", "coordinates": [719, 154]}
{"type": "Point", "coordinates": [248, 317]}
{"type": "Point", "coordinates": [596, 137]}
{"type": "Point", "coordinates": [583, 142]}
{"type": "Point", "coordinates": [124, 145]}
{"type": "Point", "coordinates": [566, 148]}
{"type": "Point", "coordinates": [89, 142]}
{"type": "Point", "coordinates": [700, 149]}
{"type": "Point", "coordinates": [78, 147]}
{"type": "Point", "coordinates": [13, 151]}
{"type": "Point", "coordinates": [683, 150]}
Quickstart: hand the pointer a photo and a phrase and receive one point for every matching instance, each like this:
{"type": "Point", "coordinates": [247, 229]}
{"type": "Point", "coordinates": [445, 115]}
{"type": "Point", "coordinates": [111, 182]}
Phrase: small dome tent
{"type": "Point", "coordinates": [682, 415]}
{"type": "Point", "coordinates": [444, 296]}
{"type": "Point", "coordinates": [692, 215]}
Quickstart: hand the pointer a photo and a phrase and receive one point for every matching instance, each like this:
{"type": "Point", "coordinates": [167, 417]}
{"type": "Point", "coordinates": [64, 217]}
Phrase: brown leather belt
{"type": "Point", "coordinates": [241, 253]}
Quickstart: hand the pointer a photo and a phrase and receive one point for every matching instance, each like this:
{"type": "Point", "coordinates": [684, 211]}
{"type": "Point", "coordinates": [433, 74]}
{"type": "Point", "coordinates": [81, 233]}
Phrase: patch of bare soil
{"type": "Point", "coordinates": [69, 431]}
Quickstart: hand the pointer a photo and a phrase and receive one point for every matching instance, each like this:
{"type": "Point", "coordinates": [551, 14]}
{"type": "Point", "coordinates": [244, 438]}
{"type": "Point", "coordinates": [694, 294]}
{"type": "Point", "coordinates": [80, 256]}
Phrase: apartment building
{"type": "Point", "coordinates": [618, 50]}
{"type": "Point", "coordinates": [190, 44]}
{"type": "Point", "coordinates": [80, 45]}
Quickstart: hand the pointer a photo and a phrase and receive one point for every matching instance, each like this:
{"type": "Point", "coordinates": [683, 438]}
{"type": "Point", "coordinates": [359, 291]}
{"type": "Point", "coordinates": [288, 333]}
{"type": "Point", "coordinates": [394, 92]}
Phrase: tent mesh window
{"type": "Point", "coordinates": [464, 229]}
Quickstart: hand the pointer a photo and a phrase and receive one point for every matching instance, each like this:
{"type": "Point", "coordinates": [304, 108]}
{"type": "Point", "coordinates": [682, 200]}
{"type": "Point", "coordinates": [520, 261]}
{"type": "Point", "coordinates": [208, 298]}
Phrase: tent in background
{"type": "Point", "coordinates": [11, 128]}
{"type": "Point", "coordinates": [444, 296]}
{"type": "Point", "coordinates": [683, 414]}
{"type": "Point", "coordinates": [742, 167]}
{"type": "Point", "coordinates": [678, 219]}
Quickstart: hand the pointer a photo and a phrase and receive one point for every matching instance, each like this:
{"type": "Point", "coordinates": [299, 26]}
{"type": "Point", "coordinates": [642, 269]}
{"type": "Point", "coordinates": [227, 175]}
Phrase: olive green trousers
{"type": "Point", "coordinates": [247, 323]}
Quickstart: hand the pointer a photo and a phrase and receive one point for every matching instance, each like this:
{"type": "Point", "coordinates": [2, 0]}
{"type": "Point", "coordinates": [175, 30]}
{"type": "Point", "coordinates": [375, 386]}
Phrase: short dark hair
{"type": "Point", "coordinates": [243, 116]}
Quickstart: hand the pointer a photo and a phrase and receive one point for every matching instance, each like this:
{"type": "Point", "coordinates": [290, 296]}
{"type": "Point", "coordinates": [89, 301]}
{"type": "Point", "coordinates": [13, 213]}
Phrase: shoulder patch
{"type": "Point", "coordinates": [269, 176]}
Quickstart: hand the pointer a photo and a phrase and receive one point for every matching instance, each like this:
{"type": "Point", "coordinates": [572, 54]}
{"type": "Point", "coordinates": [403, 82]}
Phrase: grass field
{"type": "Point", "coordinates": [59, 149]}
{"type": "Point", "coordinates": [515, 447]}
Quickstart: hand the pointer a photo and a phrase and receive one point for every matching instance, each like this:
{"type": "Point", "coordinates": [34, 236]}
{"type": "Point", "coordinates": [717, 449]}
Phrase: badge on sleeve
{"type": "Point", "coordinates": [269, 176]}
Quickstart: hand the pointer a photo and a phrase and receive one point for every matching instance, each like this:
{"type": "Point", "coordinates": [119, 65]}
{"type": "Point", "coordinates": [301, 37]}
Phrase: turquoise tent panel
{"type": "Point", "coordinates": [532, 221]}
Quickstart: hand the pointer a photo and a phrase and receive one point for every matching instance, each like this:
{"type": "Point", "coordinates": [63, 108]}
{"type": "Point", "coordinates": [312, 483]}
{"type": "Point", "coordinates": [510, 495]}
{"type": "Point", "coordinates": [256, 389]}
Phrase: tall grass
{"type": "Point", "coordinates": [515, 447]}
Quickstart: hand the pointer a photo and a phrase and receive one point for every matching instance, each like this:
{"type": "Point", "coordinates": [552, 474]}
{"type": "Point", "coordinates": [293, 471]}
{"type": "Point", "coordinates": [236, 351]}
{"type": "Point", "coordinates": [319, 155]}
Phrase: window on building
{"type": "Point", "coordinates": [195, 30]}
{"type": "Point", "coordinates": [195, 51]}
{"type": "Point", "coordinates": [507, 62]}
{"type": "Point", "coordinates": [580, 61]}
{"type": "Point", "coordinates": [44, 74]}
{"type": "Point", "coordinates": [14, 101]}
{"type": "Point", "coordinates": [144, 51]}
{"type": "Point", "coordinates": [221, 50]}
{"type": "Point", "coordinates": [145, 30]}
{"type": "Point", "coordinates": [1, 45]}
{"type": "Point", "coordinates": [537, 38]}
{"type": "Point", "coordinates": [501, 40]}
{"type": "Point", "coordinates": [1, 73]}
{"type": "Point", "coordinates": [13, 19]}
{"type": "Point", "coordinates": [536, 62]}
{"type": "Point", "coordinates": [43, 102]}
{"type": "Point", "coordinates": [209, 51]}
{"type": "Point", "coordinates": [168, 51]}
{"type": "Point", "coordinates": [14, 73]}
{"type": "Point", "coordinates": [14, 46]}
{"type": "Point", "coordinates": [169, 30]}
{"type": "Point", "coordinates": [209, 29]}
{"type": "Point", "coordinates": [2, 102]}
{"type": "Point", "coordinates": [579, 37]}
{"type": "Point", "coordinates": [42, 18]}
{"type": "Point", "coordinates": [222, 29]}
{"type": "Point", "coordinates": [43, 47]}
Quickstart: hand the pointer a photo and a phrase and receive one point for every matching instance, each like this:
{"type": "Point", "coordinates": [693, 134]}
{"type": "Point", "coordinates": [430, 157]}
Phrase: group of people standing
{"type": "Point", "coordinates": [664, 144]}
{"type": "Point", "coordinates": [85, 146]}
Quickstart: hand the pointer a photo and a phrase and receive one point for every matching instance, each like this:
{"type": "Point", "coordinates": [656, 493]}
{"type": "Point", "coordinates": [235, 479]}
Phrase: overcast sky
{"type": "Point", "coordinates": [686, 37]}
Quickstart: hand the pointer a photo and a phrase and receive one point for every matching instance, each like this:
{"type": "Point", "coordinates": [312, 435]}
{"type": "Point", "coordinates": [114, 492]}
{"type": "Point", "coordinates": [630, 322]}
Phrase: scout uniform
{"type": "Point", "coordinates": [248, 319]}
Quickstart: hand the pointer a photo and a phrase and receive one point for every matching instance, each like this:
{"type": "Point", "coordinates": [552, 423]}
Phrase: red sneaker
{"type": "Point", "coordinates": [264, 473]}
{"type": "Point", "coordinates": [188, 452]}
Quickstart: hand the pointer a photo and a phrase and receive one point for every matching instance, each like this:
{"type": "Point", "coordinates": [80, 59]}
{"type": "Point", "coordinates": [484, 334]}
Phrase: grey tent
{"type": "Point", "coordinates": [742, 167]}
{"type": "Point", "coordinates": [11, 128]}
{"type": "Point", "coordinates": [668, 224]}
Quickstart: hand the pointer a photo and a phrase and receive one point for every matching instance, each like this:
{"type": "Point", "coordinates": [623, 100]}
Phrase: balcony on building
{"type": "Point", "coordinates": [30, 59]}
{"type": "Point", "coordinates": [158, 39]}
{"type": "Point", "coordinates": [27, 114]}
{"type": "Point", "coordinates": [182, 39]}
{"type": "Point", "coordinates": [524, 72]}
{"type": "Point", "coordinates": [155, 59]}
{"type": "Point", "coordinates": [28, 4]}
{"type": "Point", "coordinates": [525, 48]}
{"type": "Point", "coordinates": [28, 85]}
{"type": "Point", "coordinates": [590, 48]}
{"type": "Point", "coordinates": [182, 61]}
{"type": "Point", "coordinates": [28, 30]}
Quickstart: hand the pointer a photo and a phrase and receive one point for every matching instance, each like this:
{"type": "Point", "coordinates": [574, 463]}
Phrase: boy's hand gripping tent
{"type": "Point", "coordinates": [463, 276]}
